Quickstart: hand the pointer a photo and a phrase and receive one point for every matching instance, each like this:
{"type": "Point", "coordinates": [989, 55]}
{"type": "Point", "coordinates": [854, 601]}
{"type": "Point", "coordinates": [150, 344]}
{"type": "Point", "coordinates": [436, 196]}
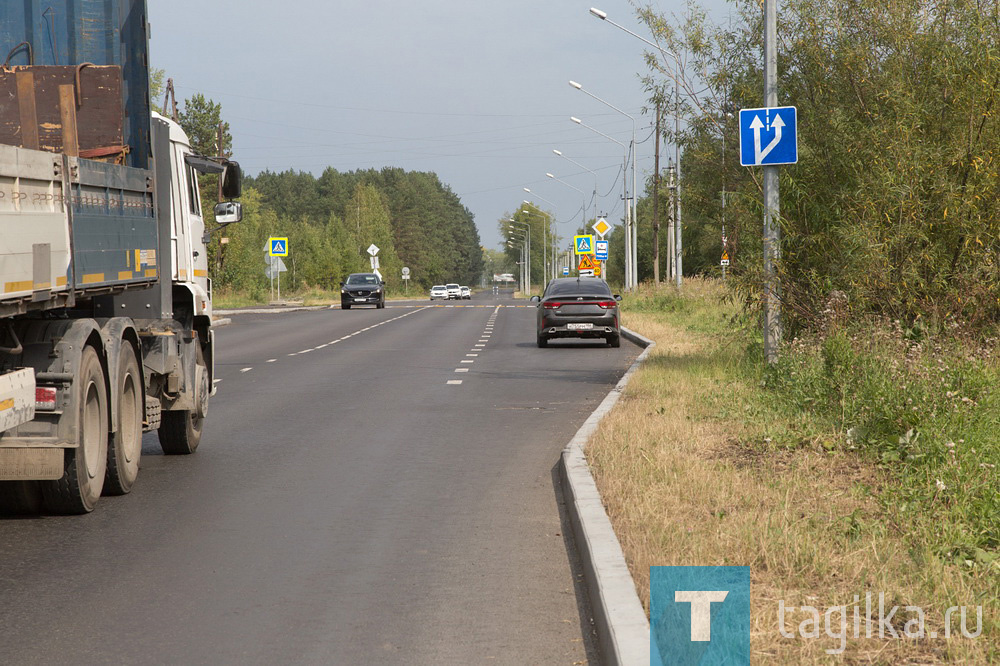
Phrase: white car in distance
{"type": "Point", "coordinates": [439, 291]}
{"type": "Point", "coordinates": [454, 290]}
{"type": "Point", "coordinates": [466, 293]}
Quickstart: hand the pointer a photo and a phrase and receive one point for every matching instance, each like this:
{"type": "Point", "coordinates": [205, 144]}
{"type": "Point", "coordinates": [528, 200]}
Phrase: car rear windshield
{"type": "Point", "coordinates": [453, 286]}
{"type": "Point", "coordinates": [362, 279]}
{"type": "Point", "coordinates": [585, 288]}
{"type": "Point", "coordinates": [437, 287]}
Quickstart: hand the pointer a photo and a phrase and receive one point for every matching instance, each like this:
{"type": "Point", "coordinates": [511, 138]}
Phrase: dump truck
{"type": "Point", "coordinates": [105, 297]}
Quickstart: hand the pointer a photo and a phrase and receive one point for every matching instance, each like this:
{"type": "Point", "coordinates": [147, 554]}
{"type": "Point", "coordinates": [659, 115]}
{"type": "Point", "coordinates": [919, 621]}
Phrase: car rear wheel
{"type": "Point", "coordinates": [345, 306]}
{"type": "Point", "coordinates": [615, 341]}
{"type": "Point", "coordinates": [542, 341]}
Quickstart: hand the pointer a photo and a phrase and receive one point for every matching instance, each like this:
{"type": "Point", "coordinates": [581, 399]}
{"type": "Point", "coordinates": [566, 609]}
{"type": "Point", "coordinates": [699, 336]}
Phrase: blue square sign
{"type": "Point", "coordinates": [768, 136]}
{"type": "Point", "coordinates": [699, 615]}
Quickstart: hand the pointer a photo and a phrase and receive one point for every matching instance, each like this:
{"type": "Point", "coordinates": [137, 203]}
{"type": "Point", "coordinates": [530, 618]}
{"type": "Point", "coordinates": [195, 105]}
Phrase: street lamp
{"type": "Point", "coordinates": [553, 237]}
{"type": "Point", "coordinates": [527, 229]}
{"type": "Point", "coordinates": [631, 274]}
{"type": "Point", "coordinates": [545, 237]}
{"type": "Point", "coordinates": [677, 132]}
{"type": "Point", "coordinates": [560, 154]}
{"type": "Point", "coordinates": [628, 238]}
{"type": "Point", "coordinates": [520, 263]}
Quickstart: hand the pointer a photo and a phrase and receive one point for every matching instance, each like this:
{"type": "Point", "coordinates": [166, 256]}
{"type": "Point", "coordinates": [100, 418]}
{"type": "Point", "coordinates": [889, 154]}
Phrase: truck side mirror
{"type": "Point", "coordinates": [232, 180]}
{"type": "Point", "coordinates": [227, 212]}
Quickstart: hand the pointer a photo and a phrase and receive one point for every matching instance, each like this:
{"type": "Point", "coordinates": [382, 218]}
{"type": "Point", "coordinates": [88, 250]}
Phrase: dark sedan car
{"type": "Point", "coordinates": [362, 289]}
{"type": "Point", "coordinates": [578, 308]}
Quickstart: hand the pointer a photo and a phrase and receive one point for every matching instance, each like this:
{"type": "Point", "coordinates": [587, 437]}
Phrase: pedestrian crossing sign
{"type": "Point", "coordinates": [584, 244]}
{"type": "Point", "coordinates": [587, 263]}
{"type": "Point", "coordinates": [278, 247]}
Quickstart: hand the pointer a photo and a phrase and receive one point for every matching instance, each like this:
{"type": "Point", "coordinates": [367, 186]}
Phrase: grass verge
{"type": "Point", "coordinates": [817, 474]}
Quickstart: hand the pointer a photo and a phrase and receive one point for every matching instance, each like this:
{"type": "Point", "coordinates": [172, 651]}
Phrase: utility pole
{"type": "Point", "coordinates": [656, 201]}
{"type": "Point", "coordinates": [678, 233]}
{"type": "Point", "coordinates": [671, 216]}
{"type": "Point", "coordinates": [772, 211]}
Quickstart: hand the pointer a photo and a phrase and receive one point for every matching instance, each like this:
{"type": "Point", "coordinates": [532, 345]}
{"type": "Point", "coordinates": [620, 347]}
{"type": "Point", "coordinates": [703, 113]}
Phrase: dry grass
{"type": "Point", "coordinates": [683, 486]}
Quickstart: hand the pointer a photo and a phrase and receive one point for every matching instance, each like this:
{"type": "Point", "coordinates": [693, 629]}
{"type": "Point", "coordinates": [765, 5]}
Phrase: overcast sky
{"type": "Point", "coordinates": [474, 91]}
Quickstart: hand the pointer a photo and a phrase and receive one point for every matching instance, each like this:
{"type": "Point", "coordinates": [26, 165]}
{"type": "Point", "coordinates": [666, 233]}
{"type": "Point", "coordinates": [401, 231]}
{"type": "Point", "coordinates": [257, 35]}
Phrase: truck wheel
{"type": "Point", "coordinates": [20, 498]}
{"type": "Point", "coordinates": [83, 477]}
{"type": "Point", "coordinates": [125, 446]}
{"type": "Point", "coordinates": [180, 430]}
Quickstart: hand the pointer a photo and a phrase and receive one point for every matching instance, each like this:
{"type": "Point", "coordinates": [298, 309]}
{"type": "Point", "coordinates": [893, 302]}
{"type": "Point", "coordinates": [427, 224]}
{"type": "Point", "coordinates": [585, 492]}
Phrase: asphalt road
{"type": "Point", "coordinates": [373, 486]}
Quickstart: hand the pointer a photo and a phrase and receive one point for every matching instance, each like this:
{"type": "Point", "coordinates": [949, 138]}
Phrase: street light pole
{"type": "Point", "coordinates": [555, 225]}
{"type": "Point", "coordinates": [772, 211]}
{"type": "Point", "coordinates": [526, 229]}
{"type": "Point", "coordinates": [677, 129]}
{"type": "Point", "coordinates": [545, 239]}
{"type": "Point", "coordinates": [632, 279]}
{"type": "Point", "coordinates": [559, 153]}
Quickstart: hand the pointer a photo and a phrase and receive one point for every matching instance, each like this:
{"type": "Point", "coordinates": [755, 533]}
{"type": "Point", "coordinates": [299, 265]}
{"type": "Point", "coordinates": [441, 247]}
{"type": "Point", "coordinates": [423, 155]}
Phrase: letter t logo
{"type": "Point", "coordinates": [701, 610]}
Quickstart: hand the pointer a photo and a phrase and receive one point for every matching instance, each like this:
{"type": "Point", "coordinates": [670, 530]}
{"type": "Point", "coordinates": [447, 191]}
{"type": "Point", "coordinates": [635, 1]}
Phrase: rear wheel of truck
{"type": "Point", "coordinates": [125, 446]}
{"type": "Point", "coordinates": [180, 430]}
{"type": "Point", "coordinates": [83, 477]}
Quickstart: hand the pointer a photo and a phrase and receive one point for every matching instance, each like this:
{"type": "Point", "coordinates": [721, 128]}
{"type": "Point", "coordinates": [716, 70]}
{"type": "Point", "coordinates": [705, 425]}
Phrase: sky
{"type": "Point", "coordinates": [476, 92]}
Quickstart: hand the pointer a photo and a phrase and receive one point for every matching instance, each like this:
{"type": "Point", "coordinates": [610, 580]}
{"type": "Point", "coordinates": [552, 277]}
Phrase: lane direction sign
{"type": "Point", "coordinates": [768, 136]}
{"type": "Point", "coordinates": [277, 246]}
{"type": "Point", "coordinates": [583, 244]}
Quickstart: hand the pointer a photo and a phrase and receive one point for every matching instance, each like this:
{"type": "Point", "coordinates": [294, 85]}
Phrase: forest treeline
{"type": "Point", "coordinates": [415, 220]}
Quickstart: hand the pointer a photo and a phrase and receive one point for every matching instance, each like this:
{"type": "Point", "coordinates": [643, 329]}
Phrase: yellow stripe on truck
{"type": "Point", "coordinates": [17, 286]}
{"type": "Point", "coordinates": [200, 273]}
{"type": "Point", "coordinates": [91, 278]}
{"type": "Point", "coordinates": [6, 404]}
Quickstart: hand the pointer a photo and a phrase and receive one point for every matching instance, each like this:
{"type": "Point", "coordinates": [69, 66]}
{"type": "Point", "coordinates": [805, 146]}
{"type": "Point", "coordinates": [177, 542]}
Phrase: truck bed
{"type": "Point", "coordinates": [71, 228]}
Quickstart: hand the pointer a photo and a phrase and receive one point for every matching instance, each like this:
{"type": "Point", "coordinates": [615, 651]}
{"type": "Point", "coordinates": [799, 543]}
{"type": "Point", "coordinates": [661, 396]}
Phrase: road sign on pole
{"type": "Point", "coordinates": [768, 136]}
{"type": "Point", "coordinates": [277, 246]}
{"type": "Point", "coordinates": [583, 244]}
{"type": "Point", "coordinates": [565, 271]}
{"type": "Point", "coordinates": [601, 227]}
{"type": "Point", "coordinates": [601, 250]}
{"type": "Point", "coordinates": [587, 263]}
{"type": "Point", "coordinates": [373, 249]}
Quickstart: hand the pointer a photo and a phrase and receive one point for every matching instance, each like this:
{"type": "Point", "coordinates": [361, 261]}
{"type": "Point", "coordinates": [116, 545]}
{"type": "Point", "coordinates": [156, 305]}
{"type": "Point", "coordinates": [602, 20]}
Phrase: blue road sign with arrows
{"type": "Point", "coordinates": [768, 136]}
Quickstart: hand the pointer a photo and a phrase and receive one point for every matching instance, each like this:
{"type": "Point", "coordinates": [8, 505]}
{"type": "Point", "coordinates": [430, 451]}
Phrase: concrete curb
{"type": "Point", "coordinates": [225, 321]}
{"type": "Point", "coordinates": [620, 620]}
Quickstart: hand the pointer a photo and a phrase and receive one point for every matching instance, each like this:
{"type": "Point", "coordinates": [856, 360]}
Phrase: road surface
{"type": "Point", "coordinates": [373, 486]}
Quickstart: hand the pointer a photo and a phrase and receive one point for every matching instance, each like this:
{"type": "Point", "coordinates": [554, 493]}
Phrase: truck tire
{"type": "Point", "coordinates": [20, 498]}
{"type": "Point", "coordinates": [83, 477]}
{"type": "Point", "coordinates": [180, 430]}
{"type": "Point", "coordinates": [125, 446]}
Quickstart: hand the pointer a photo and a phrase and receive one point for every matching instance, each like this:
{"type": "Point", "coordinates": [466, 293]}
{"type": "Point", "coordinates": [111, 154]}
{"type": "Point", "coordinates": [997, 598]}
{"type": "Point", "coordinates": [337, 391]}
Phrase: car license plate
{"type": "Point", "coordinates": [360, 299]}
{"type": "Point", "coordinates": [579, 327]}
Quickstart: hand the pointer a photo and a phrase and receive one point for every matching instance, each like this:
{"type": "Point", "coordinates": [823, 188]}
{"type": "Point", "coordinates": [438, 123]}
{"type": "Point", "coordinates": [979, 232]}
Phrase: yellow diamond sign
{"type": "Point", "coordinates": [601, 227]}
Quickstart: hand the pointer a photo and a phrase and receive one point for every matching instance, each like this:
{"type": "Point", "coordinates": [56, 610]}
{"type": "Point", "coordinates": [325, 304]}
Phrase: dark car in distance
{"type": "Point", "coordinates": [580, 308]}
{"type": "Point", "coordinates": [362, 289]}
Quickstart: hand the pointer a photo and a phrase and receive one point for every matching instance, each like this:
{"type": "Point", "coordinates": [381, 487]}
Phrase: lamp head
{"type": "Point", "coordinates": [557, 152]}
{"type": "Point", "coordinates": [576, 120]}
{"type": "Point", "coordinates": [550, 175]}
{"type": "Point", "coordinates": [576, 85]}
{"type": "Point", "coordinates": [598, 13]}
{"type": "Point", "coordinates": [526, 190]}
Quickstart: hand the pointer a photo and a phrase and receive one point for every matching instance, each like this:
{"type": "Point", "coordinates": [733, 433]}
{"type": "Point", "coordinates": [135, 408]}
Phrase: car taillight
{"type": "Point", "coordinates": [551, 304]}
{"type": "Point", "coordinates": [608, 304]}
{"type": "Point", "coordinates": [45, 398]}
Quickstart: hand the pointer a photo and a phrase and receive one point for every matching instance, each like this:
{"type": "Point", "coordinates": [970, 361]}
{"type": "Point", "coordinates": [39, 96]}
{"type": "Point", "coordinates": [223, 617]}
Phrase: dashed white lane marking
{"type": "Point", "coordinates": [246, 369]}
{"type": "Point", "coordinates": [454, 381]}
{"type": "Point", "coordinates": [461, 369]}
{"type": "Point", "coordinates": [467, 360]}
{"type": "Point", "coordinates": [472, 354]}
{"type": "Point", "coordinates": [271, 360]}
